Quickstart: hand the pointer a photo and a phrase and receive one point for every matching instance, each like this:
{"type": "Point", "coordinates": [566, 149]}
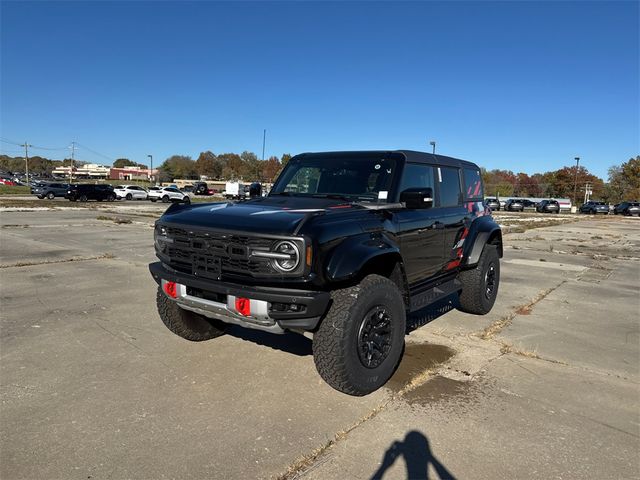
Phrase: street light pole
{"type": "Point", "coordinates": [264, 140]}
{"type": "Point", "coordinates": [433, 144]}
{"type": "Point", "coordinates": [151, 171]}
{"type": "Point", "coordinates": [575, 182]}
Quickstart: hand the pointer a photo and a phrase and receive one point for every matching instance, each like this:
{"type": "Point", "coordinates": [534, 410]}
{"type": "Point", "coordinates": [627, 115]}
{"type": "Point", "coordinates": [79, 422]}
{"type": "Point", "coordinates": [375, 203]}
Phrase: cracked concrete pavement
{"type": "Point", "coordinates": [93, 386]}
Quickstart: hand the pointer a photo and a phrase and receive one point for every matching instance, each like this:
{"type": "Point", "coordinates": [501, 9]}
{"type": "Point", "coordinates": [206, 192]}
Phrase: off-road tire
{"type": "Point", "coordinates": [186, 324]}
{"type": "Point", "coordinates": [335, 344]}
{"type": "Point", "coordinates": [474, 298]}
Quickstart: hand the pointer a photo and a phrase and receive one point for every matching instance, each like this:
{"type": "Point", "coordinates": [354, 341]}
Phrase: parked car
{"type": "Point", "coordinates": [492, 203]}
{"type": "Point", "coordinates": [201, 188]}
{"type": "Point", "coordinates": [594, 208]}
{"type": "Point", "coordinates": [528, 204]}
{"type": "Point", "coordinates": [85, 192]}
{"type": "Point", "coordinates": [345, 245]}
{"type": "Point", "coordinates": [49, 190]}
{"type": "Point", "coordinates": [6, 181]}
{"type": "Point", "coordinates": [627, 208]}
{"type": "Point", "coordinates": [514, 205]}
{"type": "Point", "coordinates": [130, 192]}
{"type": "Point", "coordinates": [169, 194]}
{"type": "Point", "coordinates": [548, 206]}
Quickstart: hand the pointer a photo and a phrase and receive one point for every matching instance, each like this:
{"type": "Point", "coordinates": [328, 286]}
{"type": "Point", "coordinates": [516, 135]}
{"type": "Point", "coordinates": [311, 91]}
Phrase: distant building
{"type": "Point", "coordinates": [132, 173]}
{"type": "Point", "coordinates": [90, 170]}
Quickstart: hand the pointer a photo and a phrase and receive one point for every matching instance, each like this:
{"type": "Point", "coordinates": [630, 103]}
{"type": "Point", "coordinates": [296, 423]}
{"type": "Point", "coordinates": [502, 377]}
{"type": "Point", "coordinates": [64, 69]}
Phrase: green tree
{"type": "Point", "coordinates": [178, 166]}
{"type": "Point", "coordinates": [124, 162]}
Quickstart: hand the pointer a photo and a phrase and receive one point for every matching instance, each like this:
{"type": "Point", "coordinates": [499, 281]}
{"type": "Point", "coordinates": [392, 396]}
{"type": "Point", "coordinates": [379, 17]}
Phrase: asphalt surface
{"type": "Point", "coordinates": [94, 386]}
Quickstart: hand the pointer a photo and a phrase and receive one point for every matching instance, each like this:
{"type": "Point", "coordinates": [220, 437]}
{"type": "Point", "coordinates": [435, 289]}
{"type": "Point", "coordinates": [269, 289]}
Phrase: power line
{"type": "Point", "coordinates": [95, 153]}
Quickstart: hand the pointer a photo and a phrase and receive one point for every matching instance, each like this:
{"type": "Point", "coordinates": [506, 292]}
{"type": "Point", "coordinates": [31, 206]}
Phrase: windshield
{"type": "Point", "coordinates": [351, 177]}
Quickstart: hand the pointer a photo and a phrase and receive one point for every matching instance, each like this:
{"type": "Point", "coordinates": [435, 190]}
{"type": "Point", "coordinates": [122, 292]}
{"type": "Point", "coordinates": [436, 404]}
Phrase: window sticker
{"type": "Point", "coordinates": [382, 195]}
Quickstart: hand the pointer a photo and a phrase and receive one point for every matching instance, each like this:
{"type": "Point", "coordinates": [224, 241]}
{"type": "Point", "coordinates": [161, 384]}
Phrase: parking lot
{"type": "Point", "coordinates": [94, 386]}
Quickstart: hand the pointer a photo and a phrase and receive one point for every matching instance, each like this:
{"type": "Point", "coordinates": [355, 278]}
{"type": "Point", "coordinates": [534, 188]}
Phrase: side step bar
{"type": "Point", "coordinates": [422, 297]}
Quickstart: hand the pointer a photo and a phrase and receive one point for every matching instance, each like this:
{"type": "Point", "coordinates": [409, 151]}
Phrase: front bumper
{"type": "Point", "coordinates": [190, 291]}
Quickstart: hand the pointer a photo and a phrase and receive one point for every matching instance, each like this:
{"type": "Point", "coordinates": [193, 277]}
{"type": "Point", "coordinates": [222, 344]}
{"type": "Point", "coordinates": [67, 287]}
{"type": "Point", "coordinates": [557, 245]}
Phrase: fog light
{"type": "Point", "coordinates": [170, 289]}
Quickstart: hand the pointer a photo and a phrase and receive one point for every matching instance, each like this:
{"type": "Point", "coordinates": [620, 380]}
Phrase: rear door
{"type": "Point", "coordinates": [451, 210]}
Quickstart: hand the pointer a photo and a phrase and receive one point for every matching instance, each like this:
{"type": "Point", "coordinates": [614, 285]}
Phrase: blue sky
{"type": "Point", "coordinates": [525, 86]}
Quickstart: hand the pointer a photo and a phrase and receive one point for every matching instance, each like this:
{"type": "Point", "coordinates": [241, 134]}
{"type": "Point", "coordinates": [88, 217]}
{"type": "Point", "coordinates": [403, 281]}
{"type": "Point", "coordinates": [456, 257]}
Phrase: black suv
{"type": "Point", "coordinates": [49, 190]}
{"type": "Point", "coordinates": [548, 206]}
{"type": "Point", "coordinates": [345, 245]}
{"type": "Point", "coordinates": [85, 192]}
{"type": "Point", "coordinates": [627, 208]}
{"type": "Point", "coordinates": [514, 205]}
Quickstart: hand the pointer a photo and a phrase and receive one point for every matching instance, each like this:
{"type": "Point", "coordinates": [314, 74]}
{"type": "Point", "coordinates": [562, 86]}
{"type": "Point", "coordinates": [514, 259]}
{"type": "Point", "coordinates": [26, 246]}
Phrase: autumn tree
{"type": "Point", "coordinates": [178, 166]}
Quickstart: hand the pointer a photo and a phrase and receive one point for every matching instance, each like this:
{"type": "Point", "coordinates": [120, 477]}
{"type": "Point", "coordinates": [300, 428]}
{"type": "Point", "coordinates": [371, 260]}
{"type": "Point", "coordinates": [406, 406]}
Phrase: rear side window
{"type": "Point", "coordinates": [449, 181]}
{"type": "Point", "coordinates": [472, 184]}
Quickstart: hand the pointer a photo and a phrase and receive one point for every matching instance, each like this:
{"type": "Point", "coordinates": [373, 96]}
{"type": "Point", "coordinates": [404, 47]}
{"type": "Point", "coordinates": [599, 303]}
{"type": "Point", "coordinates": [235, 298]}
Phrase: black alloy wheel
{"type": "Point", "coordinates": [375, 337]}
{"type": "Point", "coordinates": [490, 281]}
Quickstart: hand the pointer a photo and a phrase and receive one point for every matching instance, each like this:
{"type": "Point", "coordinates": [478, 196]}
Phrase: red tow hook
{"type": "Point", "coordinates": [170, 289]}
{"type": "Point", "coordinates": [243, 306]}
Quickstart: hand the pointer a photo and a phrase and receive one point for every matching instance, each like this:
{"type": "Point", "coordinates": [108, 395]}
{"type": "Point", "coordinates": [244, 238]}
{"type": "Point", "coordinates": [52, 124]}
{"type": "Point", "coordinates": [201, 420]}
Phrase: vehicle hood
{"type": "Point", "coordinates": [270, 215]}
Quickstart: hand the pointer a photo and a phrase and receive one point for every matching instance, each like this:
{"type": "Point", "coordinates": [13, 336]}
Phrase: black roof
{"type": "Point", "coordinates": [409, 155]}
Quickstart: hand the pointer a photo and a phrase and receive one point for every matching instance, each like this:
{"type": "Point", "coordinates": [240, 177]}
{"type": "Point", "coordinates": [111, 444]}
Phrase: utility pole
{"type": "Point", "coordinates": [433, 144]}
{"type": "Point", "coordinates": [264, 140]}
{"type": "Point", "coordinates": [73, 152]}
{"type": "Point", "coordinates": [26, 159]}
{"type": "Point", "coordinates": [151, 171]}
{"type": "Point", "coordinates": [575, 183]}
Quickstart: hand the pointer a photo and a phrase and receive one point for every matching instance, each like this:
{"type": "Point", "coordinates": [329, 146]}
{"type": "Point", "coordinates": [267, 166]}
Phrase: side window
{"type": "Point", "coordinates": [472, 184]}
{"type": "Point", "coordinates": [450, 192]}
{"type": "Point", "coordinates": [416, 175]}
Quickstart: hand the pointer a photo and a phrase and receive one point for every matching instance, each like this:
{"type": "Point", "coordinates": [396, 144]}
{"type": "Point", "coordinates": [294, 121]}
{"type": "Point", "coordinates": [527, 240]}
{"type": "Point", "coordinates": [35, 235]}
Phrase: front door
{"type": "Point", "coordinates": [420, 230]}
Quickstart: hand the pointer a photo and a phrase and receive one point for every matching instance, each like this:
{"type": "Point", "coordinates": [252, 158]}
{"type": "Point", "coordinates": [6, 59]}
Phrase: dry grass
{"type": "Point", "coordinates": [117, 220]}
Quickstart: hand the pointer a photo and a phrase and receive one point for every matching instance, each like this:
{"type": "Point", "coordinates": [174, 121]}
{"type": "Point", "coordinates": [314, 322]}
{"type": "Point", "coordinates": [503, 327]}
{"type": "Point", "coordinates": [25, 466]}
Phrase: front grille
{"type": "Point", "coordinates": [191, 249]}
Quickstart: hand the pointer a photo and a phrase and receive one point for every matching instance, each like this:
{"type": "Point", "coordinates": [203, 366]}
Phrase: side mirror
{"type": "Point", "coordinates": [415, 198]}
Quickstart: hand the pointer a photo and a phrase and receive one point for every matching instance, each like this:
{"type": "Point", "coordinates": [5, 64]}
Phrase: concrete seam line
{"type": "Point", "coordinates": [500, 324]}
{"type": "Point", "coordinates": [105, 256]}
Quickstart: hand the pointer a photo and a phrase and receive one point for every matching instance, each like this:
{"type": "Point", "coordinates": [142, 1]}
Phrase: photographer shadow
{"type": "Point", "coordinates": [417, 456]}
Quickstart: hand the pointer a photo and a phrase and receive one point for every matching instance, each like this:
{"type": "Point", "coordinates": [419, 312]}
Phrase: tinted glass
{"type": "Point", "coordinates": [363, 177]}
{"type": "Point", "coordinates": [472, 184]}
{"type": "Point", "coordinates": [416, 175]}
{"type": "Point", "coordinates": [450, 192]}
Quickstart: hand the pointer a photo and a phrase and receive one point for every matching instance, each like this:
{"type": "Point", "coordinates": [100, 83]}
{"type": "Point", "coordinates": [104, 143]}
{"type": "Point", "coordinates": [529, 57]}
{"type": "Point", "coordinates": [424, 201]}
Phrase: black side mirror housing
{"type": "Point", "coordinates": [415, 198]}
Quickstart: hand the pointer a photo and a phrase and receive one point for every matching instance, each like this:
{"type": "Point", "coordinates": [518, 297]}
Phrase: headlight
{"type": "Point", "coordinates": [160, 238]}
{"type": "Point", "coordinates": [289, 256]}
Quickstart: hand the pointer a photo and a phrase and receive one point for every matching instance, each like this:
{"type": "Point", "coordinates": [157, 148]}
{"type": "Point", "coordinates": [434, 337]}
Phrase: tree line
{"type": "Point", "coordinates": [623, 182]}
{"type": "Point", "coordinates": [225, 166]}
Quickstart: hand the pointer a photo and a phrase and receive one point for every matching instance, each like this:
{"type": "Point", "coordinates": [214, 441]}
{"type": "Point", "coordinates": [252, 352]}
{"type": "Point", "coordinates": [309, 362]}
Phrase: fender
{"type": "Point", "coordinates": [348, 258]}
{"type": "Point", "coordinates": [483, 230]}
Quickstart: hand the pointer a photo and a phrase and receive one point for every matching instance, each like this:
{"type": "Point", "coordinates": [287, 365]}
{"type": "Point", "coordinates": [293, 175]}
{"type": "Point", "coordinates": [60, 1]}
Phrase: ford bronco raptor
{"type": "Point", "coordinates": [345, 245]}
